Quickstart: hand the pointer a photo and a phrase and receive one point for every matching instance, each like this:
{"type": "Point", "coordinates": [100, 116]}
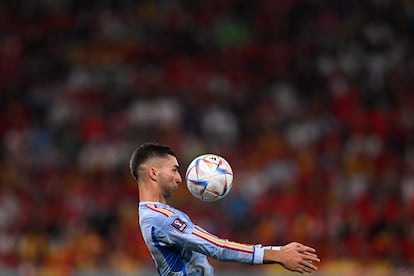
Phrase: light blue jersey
{"type": "Point", "coordinates": [179, 247]}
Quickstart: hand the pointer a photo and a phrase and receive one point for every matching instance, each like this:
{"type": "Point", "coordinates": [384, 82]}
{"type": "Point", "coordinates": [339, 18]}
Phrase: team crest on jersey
{"type": "Point", "coordinates": [179, 224]}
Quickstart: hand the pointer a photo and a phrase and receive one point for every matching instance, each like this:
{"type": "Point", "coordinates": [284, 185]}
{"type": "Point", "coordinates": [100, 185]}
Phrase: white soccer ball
{"type": "Point", "coordinates": [209, 177]}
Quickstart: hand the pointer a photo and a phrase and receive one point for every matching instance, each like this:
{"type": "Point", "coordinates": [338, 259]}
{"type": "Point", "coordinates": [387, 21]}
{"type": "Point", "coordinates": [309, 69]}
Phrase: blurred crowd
{"type": "Point", "coordinates": [311, 102]}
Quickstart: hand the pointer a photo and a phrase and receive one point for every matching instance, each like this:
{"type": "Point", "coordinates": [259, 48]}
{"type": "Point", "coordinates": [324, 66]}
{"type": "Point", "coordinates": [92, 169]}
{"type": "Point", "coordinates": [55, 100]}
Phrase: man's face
{"type": "Point", "coordinates": [169, 175]}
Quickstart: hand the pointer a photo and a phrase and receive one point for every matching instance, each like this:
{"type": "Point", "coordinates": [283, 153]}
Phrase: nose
{"type": "Point", "coordinates": [179, 179]}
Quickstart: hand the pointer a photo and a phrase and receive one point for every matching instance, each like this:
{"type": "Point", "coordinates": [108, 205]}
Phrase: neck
{"type": "Point", "coordinates": [150, 193]}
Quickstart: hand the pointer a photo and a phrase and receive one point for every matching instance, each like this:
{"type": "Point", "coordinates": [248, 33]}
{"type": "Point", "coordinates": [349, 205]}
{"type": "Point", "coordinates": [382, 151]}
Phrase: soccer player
{"type": "Point", "coordinates": [177, 245]}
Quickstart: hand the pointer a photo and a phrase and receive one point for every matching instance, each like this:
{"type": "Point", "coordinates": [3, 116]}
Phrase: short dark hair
{"type": "Point", "coordinates": [146, 151]}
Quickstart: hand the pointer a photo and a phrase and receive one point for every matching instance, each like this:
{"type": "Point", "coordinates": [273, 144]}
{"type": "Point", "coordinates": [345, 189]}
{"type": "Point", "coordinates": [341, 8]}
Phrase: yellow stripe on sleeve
{"type": "Point", "coordinates": [223, 243]}
{"type": "Point", "coordinates": [163, 211]}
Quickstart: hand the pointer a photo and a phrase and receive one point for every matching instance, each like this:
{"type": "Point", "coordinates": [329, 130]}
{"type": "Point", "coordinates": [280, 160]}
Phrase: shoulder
{"type": "Point", "coordinates": [154, 214]}
{"type": "Point", "coordinates": [154, 209]}
{"type": "Point", "coordinates": [164, 218]}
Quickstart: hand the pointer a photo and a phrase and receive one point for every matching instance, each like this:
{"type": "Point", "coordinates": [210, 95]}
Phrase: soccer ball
{"type": "Point", "coordinates": [209, 177]}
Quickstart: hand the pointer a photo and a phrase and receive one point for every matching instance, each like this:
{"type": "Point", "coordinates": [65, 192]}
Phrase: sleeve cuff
{"type": "Point", "coordinates": [258, 254]}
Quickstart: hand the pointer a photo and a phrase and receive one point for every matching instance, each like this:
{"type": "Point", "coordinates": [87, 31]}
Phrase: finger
{"type": "Point", "coordinates": [312, 257]}
{"type": "Point", "coordinates": [308, 270]}
{"type": "Point", "coordinates": [308, 265]}
{"type": "Point", "coordinates": [308, 249]}
{"type": "Point", "coordinates": [303, 249]}
{"type": "Point", "coordinates": [297, 268]}
{"type": "Point", "coordinates": [313, 260]}
{"type": "Point", "coordinates": [300, 270]}
{"type": "Point", "coordinates": [309, 254]}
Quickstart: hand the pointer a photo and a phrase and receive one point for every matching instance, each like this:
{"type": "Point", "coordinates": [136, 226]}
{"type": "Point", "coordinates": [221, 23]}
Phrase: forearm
{"type": "Point", "coordinates": [227, 252]}
{"type": "Point", "coordinates": [223, 249]}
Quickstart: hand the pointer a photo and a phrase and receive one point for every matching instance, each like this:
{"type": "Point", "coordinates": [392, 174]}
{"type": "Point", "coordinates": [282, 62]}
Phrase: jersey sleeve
{"type": "Point", "coordinates": [178, 230]}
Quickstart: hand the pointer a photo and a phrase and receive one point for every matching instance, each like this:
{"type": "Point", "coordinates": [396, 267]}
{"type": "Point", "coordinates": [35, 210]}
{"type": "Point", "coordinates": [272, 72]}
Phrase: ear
{"type": "Point", "coordinates": [152, 173]}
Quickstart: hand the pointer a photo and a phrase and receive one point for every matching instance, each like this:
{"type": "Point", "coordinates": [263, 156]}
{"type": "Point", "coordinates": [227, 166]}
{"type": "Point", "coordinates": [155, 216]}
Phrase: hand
{"type": "Point", "coordinates": [298, 246]}
{"type": "Point", "coordinates": [294, 257]}
{"type": "Point", "coordinates": [299, 257]}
